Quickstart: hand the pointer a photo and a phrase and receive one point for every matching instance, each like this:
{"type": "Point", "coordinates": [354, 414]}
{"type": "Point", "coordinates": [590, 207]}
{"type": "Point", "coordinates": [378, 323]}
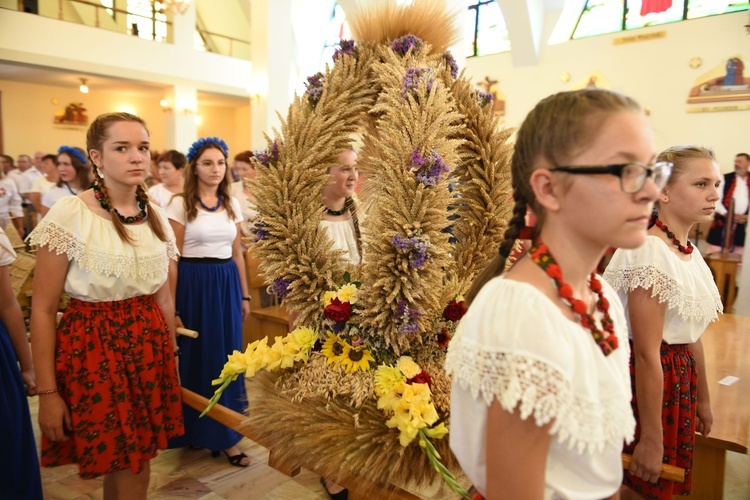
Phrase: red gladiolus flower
{"type": "Point", "coordinates": [421, 378]}
{"type": "Point", "coordinates": [455, 311]}
{"type": "Point", "coordinates": [338, 311]}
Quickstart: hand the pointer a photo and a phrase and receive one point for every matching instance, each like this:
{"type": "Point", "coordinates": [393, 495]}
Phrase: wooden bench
{"type": "Point", "coordinates": [268, 321]}
{"type": "Point", "coordinates": [727, 349]}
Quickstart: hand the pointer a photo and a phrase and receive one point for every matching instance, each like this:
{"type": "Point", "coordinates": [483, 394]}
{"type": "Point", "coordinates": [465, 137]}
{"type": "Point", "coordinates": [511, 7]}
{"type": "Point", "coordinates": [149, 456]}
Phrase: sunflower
{"type": "Point", "coordinates": [335, 349]}
{"type": "Point", "coordinates": [356, 358]}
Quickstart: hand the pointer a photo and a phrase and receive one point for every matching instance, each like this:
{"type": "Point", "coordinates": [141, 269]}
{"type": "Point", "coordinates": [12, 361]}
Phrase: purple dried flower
{"type": "Point", "coordinates": [259, 228]}
{"type": "Point", "coordinates": [406, 319]}
{"type": "Point", "coordinates": [314, 86]}
{"type": "Point", "coordinates": [339, 326]}
{"type": "Point", "coordinates": [429, 169]}
{"type": "Point", "coordinates": [415, 248]}
{"type": "Point", "coordinates": [484, 98]}
{"type": "Point", "coordinates": [451, 62]}
{"type": "Point", "coordinates": [402, 45]}
{"type": "Point", "coordinates": [413, 77]}
{"type": "Point", "coordinates": [269, 157]}
{"type": "Point", "coordinates": [346, 48]}
{"type": "Point", "coordinates": [279, 288]}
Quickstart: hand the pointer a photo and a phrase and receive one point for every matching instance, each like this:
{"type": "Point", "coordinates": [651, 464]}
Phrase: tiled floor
{"type": "Point", "coordinates": [186, 473]}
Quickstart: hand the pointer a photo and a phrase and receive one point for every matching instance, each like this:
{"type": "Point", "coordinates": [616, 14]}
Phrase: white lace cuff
{"type": "Point", "coordinates": [534, 387]}
{"type": "Point", "coordinates": [668, 290]}
{"type": "Point", "coordinates": [60, 240]}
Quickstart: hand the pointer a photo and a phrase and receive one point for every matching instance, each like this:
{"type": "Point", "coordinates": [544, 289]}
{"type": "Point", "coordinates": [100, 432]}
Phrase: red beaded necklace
{"type": "Point", "coordinates": [686, 250]}
{"type": "Point", "coordinates": [543, 258]}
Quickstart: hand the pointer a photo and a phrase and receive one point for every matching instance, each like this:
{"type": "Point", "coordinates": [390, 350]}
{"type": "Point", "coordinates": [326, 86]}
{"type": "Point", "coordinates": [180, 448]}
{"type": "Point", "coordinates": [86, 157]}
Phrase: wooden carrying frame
{"type": "Point", "coordinates": [241, 424]}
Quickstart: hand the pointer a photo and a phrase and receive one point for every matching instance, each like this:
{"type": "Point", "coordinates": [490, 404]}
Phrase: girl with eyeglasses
{"type": "Point", "coordinates": [540, 388]}
{"type": "Point", "coordinates": [670, 297]}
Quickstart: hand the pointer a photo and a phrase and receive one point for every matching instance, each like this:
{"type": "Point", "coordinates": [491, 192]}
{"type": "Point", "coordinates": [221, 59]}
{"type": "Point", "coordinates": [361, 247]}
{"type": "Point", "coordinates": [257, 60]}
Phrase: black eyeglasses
{"type": "Point", "coordinates": [632, 175]}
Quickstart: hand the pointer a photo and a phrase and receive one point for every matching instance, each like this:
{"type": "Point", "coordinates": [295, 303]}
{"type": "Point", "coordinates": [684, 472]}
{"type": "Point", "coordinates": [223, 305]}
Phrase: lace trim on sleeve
{"type": "Point", "coordinates": [537, 388]}
{"type": "Point", "coordinates": [705, 307]}
{"type": "Point", "coordinates": [60, 240]}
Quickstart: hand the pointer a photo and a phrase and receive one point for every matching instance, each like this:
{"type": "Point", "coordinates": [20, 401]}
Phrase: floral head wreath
{"type": "Point", "coordinates": [68, 150]}
{"type": "Point", "coordinates": [197, 145]}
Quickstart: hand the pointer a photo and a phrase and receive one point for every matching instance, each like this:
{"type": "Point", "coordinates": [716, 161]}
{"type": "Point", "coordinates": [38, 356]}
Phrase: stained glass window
{"type": "Point", "coordinates": [338, 29]}
{"type": "Point", "coordinates": [485, 31]}
{"type": "Point", "coordinates": [609, 16]}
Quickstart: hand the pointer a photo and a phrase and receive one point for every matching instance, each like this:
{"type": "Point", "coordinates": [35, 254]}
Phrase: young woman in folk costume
{"type": "Point", "coordinates": [341, 222]}
{"type": "Point", "coordinates": [106, 375]}
{"type": "Point", "coordinates": [210, 291]}
{"type": "Point", "coordinates": [540, 386]}
{"type": "Point", "coordinates": [74, 176]}
{"type": "Point", "coordinates": [670, 297]}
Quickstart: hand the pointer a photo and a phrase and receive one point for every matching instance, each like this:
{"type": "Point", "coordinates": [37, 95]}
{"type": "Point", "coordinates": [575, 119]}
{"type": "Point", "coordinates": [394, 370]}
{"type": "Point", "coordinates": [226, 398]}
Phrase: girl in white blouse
{"type": "Point", "coordinates": [340, 219]}
{"type": "Point", "coordinates": [106, 375]}
{"type": "Point", "coordinates": [670, 297]}
{"type": "Point", "coordinates": [540, 399]}
{"type": "Point", "coordinates": [74, 176]}
{"type": "Point", "coordinates": [210, 290]}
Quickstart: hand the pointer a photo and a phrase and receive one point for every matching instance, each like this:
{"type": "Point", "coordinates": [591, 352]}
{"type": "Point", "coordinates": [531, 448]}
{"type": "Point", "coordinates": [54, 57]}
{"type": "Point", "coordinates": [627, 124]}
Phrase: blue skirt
{"type": "Point", "coordinates": [209, 298]}
{"type": "Point", "coordinates": [19, 463]}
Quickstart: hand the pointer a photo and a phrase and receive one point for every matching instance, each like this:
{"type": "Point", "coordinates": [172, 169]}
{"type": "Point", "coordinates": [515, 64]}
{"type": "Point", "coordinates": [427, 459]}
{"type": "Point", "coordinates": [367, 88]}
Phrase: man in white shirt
{"type": "Point", "coordinates": [29, 173]}
{"type": "Point", "coordinates": [735, 186]}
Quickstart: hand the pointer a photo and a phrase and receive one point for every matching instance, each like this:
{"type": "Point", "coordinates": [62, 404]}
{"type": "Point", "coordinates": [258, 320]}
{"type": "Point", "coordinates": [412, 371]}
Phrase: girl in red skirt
{"type": "Point", "coordinates": [107, 375]}
{"type": "Point", "coordinates": [670, 297]}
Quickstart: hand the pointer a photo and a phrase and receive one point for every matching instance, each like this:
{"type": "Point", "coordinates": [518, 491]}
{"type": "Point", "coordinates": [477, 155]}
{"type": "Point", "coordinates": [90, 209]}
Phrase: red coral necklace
{"type": "Point", "coordinates": [687, 250]}
{"type": "Point", "coordinates": [543, 258]}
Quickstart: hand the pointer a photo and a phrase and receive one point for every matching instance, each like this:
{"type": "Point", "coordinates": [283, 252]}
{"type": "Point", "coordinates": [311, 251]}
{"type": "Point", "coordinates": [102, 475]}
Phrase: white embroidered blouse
{"type": "Point", "coordinates": [516, 346]}
{"type": "Point", "coordinates": [102, 266]}
{"type": "Point", "coordinates": [688, 288]}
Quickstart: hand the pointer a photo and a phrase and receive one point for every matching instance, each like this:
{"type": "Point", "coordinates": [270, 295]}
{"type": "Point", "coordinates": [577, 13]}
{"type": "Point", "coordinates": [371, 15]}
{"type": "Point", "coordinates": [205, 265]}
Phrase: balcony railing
{"type": "Point", "coordinates": [155, 25]}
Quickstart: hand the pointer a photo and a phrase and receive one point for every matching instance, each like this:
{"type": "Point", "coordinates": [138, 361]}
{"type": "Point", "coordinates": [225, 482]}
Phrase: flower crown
{"type": "Point", "coordinates": [197, 145]}
{"type": "Point", "coordinates": [68, 150]}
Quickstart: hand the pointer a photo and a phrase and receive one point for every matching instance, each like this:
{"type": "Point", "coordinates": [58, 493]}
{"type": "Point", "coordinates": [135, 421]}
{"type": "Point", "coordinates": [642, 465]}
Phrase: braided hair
{"type": "Point", "coordinates": [556, 129]}
{"type": "Point", "coordinates": [95, 137]}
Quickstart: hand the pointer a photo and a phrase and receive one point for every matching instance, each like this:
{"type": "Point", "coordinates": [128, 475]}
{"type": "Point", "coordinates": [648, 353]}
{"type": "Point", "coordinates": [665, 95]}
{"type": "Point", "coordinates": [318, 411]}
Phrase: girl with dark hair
{"type": "Point", "coordinates": [171, 167]}
{"type": "Point", "coordinates": [74, 176]}
{"type": "Point", "coordinates": [107, 375]}
{"type": "Point", "coordinates": [540, 399]}
{"type": "Point", "coordinates": [670, 297]}
{"type": "Point", "coordinates": [210, 289]}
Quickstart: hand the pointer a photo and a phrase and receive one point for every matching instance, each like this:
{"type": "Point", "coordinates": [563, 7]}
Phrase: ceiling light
{"type": "Point", "coordinates": [83, 88]}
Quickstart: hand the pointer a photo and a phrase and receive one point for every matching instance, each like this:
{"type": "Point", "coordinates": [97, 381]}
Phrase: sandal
{"type": "Point", "coordinates": [341, 495]}
{"type": "Point", "coordinates": [235, 460]}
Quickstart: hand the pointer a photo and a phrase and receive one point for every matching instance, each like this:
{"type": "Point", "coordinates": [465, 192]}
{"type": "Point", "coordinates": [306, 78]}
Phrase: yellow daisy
{"type": "Point", "coordinates": [386, 378]}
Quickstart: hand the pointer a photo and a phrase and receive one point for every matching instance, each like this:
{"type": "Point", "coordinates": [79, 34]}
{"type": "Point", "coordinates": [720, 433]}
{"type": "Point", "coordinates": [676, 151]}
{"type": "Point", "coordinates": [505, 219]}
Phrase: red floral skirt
{"type": "Point", "coordinates": [115, 369]}
{"type": "Point", "coordinates": [679, 403]}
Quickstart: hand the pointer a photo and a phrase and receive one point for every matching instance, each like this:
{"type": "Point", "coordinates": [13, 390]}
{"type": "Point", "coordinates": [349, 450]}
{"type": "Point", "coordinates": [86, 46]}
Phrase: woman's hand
{"type": "Point", "coordinates": [29, 379]}
{"type": "Point", "coordinates": [647, 459]}
{"type": "Point", "coordinates": [245, 309]}
{"type": "Point", "coordinates": [705, 418]}
{"type": "Point", "coordinates": [178, 322]}
{"type": "Point", "coordinates": [54, 417]}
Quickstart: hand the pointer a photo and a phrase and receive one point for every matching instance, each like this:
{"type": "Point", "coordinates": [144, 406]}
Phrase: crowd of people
{"type": "Point", "coordinates": [551, 358]}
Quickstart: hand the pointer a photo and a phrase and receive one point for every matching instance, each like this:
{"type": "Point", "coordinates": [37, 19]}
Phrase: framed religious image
{"type": "Point", "coordinates": [725, 82]}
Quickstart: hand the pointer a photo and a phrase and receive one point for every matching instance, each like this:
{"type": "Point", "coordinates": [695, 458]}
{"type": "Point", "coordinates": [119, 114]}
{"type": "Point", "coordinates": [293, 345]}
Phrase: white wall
{"type": "Point", "coordinates": [656, 72]}
{"type": "Point", "coordinates": [73, 47]}
{"type": "Point", "coordinates": [28, 113]}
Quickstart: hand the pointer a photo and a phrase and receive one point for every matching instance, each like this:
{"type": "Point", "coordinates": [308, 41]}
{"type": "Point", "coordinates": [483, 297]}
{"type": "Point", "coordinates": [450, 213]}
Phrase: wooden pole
{"type": "Point", "coordinates": [669, 472]}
